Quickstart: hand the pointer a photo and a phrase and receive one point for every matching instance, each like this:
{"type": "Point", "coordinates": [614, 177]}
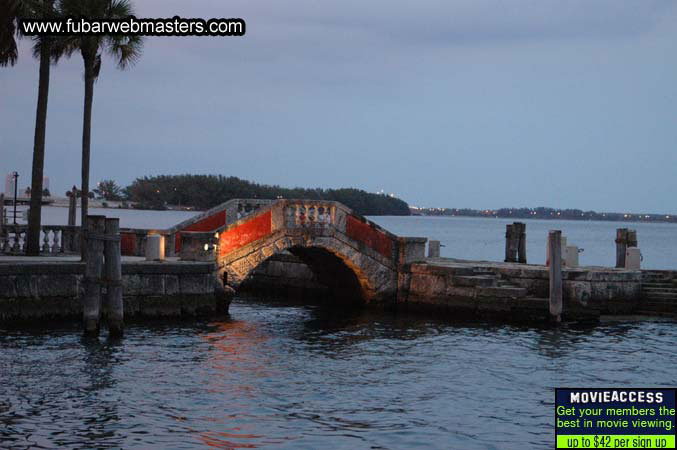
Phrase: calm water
{"type": "Point", "coordinates": [470, 238]}
{"type": "Point", "coordinates": [280, 376]}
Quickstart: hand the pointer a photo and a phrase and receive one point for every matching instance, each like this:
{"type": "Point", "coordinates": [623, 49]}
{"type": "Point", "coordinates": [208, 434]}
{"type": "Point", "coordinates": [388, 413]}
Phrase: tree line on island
{"type": "Point", "coordinates": [207, 191]}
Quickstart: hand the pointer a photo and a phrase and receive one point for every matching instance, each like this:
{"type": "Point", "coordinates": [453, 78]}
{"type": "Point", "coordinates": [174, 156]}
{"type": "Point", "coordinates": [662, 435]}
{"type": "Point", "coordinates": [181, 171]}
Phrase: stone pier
{"type": "Point", "coordinates": [53, 287]}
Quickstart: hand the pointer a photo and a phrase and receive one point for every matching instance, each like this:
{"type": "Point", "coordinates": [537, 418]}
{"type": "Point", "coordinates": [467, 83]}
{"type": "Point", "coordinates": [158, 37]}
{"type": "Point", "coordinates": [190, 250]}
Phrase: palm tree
{"type": "Point", "coordinates": [44, 50]}
{"type": "Point", "coordinates": [125, 49]}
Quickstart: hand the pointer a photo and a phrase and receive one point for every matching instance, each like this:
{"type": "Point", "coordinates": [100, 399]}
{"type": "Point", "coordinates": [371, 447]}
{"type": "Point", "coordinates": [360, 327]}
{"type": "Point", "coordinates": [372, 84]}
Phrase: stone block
{"type": "Point", "coordinates": [411, 249]}
{"type": "Point", "coordinates": [501, 292]}
{"type": "Point", "coordinates": [471, 281]}
{"type": "Point", "coordinates": [143, 284]}
{"type": "Point", "coordinates": [461, 292]}
{"type": "Point", "coordinates": [7, 287]}
{"type": "Point", "coordinates": [432, 285]}
{"type": "Point", "coordinates": [22, 284]}
{"type": "Point", "coordinates": [56, 285]}
{"type": "Point", "coordinates": [196, 284]}
{"type": "Point", "coordinates": [172, 286]}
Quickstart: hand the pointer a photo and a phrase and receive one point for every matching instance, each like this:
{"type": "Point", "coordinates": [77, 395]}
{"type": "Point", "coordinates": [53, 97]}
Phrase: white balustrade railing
{"type": "Point", "coordinates": [247, 207]}
{"type": "Point", "coordinates": [309, 214]}
{"type": "Point", "coordinates": [54, 239]}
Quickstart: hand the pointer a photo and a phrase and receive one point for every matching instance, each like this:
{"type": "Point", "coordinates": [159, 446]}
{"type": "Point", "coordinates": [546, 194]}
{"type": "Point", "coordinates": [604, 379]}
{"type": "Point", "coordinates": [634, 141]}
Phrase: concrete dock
{"type": "Point", "coordinates": [52, 287]}
{"type": "Point", "coordinates": [517, 291]}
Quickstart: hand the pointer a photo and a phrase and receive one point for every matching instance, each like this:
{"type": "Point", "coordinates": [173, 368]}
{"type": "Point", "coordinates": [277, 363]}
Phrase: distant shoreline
{"type": "Point", "coordinates": [543, 213]}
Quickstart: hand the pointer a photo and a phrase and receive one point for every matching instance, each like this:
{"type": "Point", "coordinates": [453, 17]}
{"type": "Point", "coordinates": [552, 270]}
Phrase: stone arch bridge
{"type": "Point", "coordinates": [348, 253]}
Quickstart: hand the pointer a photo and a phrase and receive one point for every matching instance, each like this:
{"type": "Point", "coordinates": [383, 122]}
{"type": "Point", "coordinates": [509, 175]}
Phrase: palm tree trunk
{"type": "Point", "coordinates": [34, 217]}
{"type": "Point", "coordinates": [86, 142]}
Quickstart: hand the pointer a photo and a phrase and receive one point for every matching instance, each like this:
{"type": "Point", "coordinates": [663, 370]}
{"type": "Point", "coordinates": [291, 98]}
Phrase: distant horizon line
{"type": "Point", "coordinates": [545, 212]}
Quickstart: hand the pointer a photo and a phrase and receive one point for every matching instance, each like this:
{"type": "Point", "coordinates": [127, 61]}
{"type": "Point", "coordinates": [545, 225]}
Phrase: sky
{"type": "Point", "coordinates": [464, 103]}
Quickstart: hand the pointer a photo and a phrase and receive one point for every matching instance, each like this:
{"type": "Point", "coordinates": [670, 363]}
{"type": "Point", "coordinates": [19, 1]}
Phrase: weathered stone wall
{"type": "Point", "coordinates": [55, 289]}
{"type": "Point", "coordinates": [466, 287]}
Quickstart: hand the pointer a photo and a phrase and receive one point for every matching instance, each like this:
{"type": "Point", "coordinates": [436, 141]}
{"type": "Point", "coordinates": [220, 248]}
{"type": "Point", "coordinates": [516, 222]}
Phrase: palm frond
{"type": "Point", "coordinates": [120, 9]}
{"type": "Point", "coordinates": [8, 32]}
{"type": "Point", "coordinates": [125, 49]}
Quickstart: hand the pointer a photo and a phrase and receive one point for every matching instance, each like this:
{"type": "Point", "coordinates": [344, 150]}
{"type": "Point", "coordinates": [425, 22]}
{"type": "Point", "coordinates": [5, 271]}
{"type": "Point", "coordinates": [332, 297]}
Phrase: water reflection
{"type": "Point", "coordinates": [294, 376]}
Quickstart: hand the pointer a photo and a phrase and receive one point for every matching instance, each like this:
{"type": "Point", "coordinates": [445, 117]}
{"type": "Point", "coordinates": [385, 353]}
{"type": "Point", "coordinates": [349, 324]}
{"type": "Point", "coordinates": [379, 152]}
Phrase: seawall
{"type": "Point", "coordinates": [512, 290]}
{"type": "Point", "coordinates": [54, 289]}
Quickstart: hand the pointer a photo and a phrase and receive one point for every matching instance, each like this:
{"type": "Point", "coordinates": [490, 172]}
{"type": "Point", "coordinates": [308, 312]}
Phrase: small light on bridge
{"type": "Point", "coordinates": [206, 247]}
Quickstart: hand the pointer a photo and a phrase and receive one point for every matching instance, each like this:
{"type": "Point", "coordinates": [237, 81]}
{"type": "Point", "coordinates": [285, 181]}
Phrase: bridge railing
{"type": "Point", "coordinates": [309, 214]}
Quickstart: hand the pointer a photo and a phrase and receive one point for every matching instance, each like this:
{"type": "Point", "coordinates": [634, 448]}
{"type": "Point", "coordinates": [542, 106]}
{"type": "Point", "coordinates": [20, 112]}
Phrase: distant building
{"type": "Point", "coordinates": [9, 185]}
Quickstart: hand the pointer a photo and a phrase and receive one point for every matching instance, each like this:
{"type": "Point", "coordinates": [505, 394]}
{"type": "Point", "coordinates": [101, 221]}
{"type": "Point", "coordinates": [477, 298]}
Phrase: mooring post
{"type": "Point", "coordinates": [555, 246]}
{"type": "Point", "coordinates": [621, 246]}
{"type": "Point", "coordinates": [94, 235]}
{"type": "Point", "coordinates": [113, 264]}
{"type": "Point", "coordinates": [433, 249]}
{"type": "Point", "coordinates": [72, 206]}
{"type": "Point", "coordinates": [632, 239]}
{"type": "Point", "coordinates": [521, 242]}
{"type": "Point", "coordinates": [510, 247]}
{"type": "Point", "coordinates": [70, 236]}
{"type": "Point", "coordinates": [2, 213]}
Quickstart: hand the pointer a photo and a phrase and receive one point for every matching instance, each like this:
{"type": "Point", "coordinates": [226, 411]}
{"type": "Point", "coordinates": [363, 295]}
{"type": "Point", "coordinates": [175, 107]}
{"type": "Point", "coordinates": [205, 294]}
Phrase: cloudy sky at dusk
{"type": "Point", "coordinates": [464, 103]}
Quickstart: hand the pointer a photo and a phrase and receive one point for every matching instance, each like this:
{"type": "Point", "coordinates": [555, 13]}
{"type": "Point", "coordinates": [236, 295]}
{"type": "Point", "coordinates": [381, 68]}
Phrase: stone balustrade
{"type": "Point", "coordinates": [239, 208]}
{"type": "Point", "coordinates": [309, 214]}
{"type": "Point", "coordinates": [54, 240]}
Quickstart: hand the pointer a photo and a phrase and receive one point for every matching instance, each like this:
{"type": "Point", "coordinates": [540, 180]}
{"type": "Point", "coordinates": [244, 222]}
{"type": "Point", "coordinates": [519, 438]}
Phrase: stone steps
{"type": "Point", "coordinates": [656, 278]}
{"type": "Point", "coordinates": [481, 272]}
{"type": "Point", "coordinates": [660, 294]}
{"type": "Point", "coordinates": [489, 284]}
{"type": "Point", "coordinates": [660, 307]}
{"type": "Point", "coordinates": [501, 292]}
{"type": "Point", "coordinates": [474, 281]}
{"type": "Point", "coordinates": [668, 303]}
{"type": "Point", "coordinates": [651, 291]}
{"type": "Point", "coordinates": [658, 286]}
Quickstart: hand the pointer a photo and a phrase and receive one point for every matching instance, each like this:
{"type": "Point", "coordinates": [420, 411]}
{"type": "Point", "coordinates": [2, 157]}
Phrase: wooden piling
{"type": "Point", "coordinates": [70, 236]}
{"type": "Point", "coordinates": [72, 206]}
{"type": "Point", "coordinates": [515, 249]}
{"type": "Point", "coordinates": [632, 239]}
{"type": "Point", "coordinates": [508, 233]}
{"type": "Point", "coordinates": [621, 246]}
{"type": "Point", "coordinates": [433, 249]}
{"type": "Point", "coordinates": [510, 244]}
{"type": "Point", "coordinates": [113, 265]}
{"type": "Point", "coordinates": [93, 267]}
{"type": "Point", "coordinates": [555, 246]}
{"type": "Point", "coordinates": [2, 212]}
{"type": "Point", "coordinates": [521, 242]}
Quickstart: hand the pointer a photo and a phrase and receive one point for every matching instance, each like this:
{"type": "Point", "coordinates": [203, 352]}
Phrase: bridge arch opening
{"type": "Point", "coordinates": [309, 272]}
